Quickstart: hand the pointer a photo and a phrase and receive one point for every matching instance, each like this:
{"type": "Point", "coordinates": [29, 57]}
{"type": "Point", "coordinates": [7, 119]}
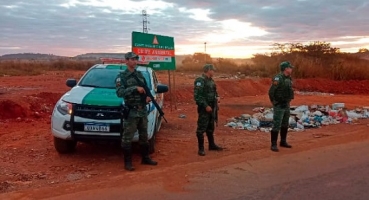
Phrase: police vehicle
{"type": "Point", "coordinates": [91, 110]}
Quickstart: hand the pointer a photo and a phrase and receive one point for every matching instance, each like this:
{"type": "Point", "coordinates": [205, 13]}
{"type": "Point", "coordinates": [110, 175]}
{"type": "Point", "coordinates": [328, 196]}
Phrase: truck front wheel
{"type": "Point", "coordinates": [64, 146]}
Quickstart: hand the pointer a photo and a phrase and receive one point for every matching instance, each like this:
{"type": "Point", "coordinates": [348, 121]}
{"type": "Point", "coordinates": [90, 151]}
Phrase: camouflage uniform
{"type": "Point", "coordinates": [136, 102]}
{"type": "Point", "coordinates": [126, 87]}
{"type": "Point", "coordinates": [205, 94]}
{"type": "Point", "coordinates": [281, 94]}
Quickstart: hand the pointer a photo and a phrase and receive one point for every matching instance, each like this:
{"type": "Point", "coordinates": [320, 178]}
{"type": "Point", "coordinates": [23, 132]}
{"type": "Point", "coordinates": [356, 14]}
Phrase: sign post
{"type": "Point", "coordinates": [158, 50]}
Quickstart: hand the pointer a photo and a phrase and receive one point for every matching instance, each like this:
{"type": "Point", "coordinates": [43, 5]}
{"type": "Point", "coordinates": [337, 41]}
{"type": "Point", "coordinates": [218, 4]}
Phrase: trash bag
{"type": "Point", "coordinates": [366, 114]}
{"type": "Point", "coordinates": [252, 128]}
{"type": "Point", "coordinates": [255, 122]}
{"type": "Point", "coordinates": [302, 108]}
{"type": "Point", "coordinates": [269, 116]}
{"type": "Point", "coordinates": [231, 124]}
{"type": "Point", "coordinates": [292, 122]}
{"type": "Point", "coordinates": [352, 114]}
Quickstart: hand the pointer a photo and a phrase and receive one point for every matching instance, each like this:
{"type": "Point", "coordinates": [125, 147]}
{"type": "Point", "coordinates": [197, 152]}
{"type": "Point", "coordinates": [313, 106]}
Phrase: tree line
{"type": "Point", "coordinates": [314, 60]}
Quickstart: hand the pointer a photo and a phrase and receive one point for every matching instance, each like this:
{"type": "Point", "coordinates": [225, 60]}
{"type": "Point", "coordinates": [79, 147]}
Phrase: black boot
{"type": "Point", "coordinates": [200, 140]}
{"type": "Point", "coordinates": [127, 152]}
{"type": "Point", "coordinates": [212, 145]}
{"type": "Point", "coordinates": [145, 155]}
{"type": "Point", "coordinates": [274, 138]}
{"type": "Point", "coordinates": [283, 142]}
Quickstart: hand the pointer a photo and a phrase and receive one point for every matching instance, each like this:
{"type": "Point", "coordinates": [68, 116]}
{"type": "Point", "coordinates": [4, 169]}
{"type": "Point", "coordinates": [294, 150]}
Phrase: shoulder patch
{"type": "Point", "coordinates": [199, 81]}
{"type": "Point", "coordinates": [276, 78]}
{"type": "Point", "coordinates": [117, 82]}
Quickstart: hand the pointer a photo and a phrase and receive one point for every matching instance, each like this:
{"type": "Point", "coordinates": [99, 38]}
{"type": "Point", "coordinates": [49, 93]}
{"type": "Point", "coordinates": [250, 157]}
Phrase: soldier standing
{"type": "Point", "coordinates": [205, 94]}
{"type": "Point", "coordinates": [281, 94]}
{"type": "Point", "coordinates": [135, 100]}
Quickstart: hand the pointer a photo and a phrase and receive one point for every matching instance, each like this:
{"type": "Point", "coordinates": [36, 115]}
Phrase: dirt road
{"type": "Point", "coordinates": [298, 175]}
{"type": "Point", "coordinates": [30, 168]}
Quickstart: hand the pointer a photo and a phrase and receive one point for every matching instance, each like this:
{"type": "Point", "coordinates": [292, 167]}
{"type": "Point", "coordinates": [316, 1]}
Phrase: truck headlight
{"type": "Point", "coordinates": [64, 108]}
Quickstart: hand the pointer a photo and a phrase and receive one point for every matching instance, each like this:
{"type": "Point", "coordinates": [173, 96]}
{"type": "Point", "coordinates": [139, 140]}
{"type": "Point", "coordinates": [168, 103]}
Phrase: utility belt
{"type": "Point", "coordinates": [137, 107]}
{"type": "Point", "coordinates": [211, 104]}
{"type": "Point", "coordinates": [282, 104]}
{"type": "Point", "coordinates": [202, 108]}
{"type": "Point", "coordinates": [127, 108]}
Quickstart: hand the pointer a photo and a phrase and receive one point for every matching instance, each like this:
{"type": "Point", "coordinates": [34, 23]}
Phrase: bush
{"type": "Point", "coordinates": [315, 60]}
{"type": "Point", "coordinates": [36, 67]}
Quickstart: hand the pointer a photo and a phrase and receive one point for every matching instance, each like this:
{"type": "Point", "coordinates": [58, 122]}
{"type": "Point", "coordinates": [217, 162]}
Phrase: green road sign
{"type": "Point", "coordinates": [158, 50]}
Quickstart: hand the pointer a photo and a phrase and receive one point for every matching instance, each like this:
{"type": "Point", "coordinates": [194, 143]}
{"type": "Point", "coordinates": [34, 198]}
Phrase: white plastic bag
{"type": "Point", "coordinates": [302, 108]}
{"type": "Point", "coordinates": [300, 126]}
{"type": "Point", "coordinates": [352, 114]}
{"type": "Point", "coordinates": [255, 122]}
{"type": "Point", "coordinates": [239, 125]}
{"type": "Point", "coordinates": [366, 113]}
{"type": "Point", "coordinates": [304, 116]}
{"type": "Point", "coordinates": [252, 128]}
{"type": "Point", "coordinates": [269, 116]}
{"type": "Point", "coordinates": [292, 122]}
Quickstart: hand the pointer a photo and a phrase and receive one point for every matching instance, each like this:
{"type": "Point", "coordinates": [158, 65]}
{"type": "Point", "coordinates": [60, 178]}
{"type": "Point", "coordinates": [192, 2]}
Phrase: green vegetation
{"type": "Point", "coordinates": [314, 60]}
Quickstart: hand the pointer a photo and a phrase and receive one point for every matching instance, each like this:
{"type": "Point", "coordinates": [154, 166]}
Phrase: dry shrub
{"type": "Point", "coordinates": [334, 66]}
{"type": "Point", "coordinates": [36, 67]}
{"type": "Point", "coordinates": [316, 60]}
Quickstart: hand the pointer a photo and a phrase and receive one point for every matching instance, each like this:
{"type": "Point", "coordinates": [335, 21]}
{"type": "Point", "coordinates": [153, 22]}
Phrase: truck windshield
{"type": "Point", "coordinates": [105, 78]}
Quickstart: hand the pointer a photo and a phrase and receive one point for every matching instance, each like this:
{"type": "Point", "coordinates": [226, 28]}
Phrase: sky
{"type": "Point", "coordinates": [230, 29]}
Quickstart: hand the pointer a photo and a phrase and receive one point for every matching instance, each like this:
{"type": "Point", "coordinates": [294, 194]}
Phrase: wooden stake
{"type": "Point", "coordinates": [170, 91]}
{"type": "Point", "coordinates": [174, 90]}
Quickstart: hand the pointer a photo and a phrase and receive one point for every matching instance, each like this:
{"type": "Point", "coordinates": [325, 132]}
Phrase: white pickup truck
{"type": "Point", "coordinates": [91, 110]}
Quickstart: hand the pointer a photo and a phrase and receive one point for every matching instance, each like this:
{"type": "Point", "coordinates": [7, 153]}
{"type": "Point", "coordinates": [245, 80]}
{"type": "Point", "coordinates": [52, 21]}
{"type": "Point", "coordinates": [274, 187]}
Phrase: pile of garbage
{"type": "Point", "coordinates": [301, 117]}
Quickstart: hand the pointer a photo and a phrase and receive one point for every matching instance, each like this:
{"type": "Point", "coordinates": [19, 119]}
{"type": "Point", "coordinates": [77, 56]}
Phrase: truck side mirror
{"type": "Point", "coordinates": [71, 82]}
{"type": "Point", "coordinates": [161, 88]}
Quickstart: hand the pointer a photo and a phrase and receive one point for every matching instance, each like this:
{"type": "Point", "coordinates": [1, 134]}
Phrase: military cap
{"type": "Point", "coordinates": [208, 67]}
{"type": "Point", "coordinates": [130, 55]}
{"type": "Point", "coordinates": [285, 65]}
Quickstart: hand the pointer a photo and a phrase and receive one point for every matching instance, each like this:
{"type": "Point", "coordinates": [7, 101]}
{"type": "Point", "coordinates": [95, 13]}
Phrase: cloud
{"type": "Point", "coordinates": [72, 27]}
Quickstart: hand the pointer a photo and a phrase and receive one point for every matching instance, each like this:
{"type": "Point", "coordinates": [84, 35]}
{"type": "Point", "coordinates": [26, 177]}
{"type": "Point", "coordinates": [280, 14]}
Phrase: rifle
{"type": "Point", "coordinates": [148, 93]}
{"type": "Point", "coordinates": [215, 111]}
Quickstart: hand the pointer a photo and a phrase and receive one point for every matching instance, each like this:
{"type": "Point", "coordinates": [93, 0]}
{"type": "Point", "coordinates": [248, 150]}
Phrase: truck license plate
{"type": "Point", "coordinates": [97, 127]}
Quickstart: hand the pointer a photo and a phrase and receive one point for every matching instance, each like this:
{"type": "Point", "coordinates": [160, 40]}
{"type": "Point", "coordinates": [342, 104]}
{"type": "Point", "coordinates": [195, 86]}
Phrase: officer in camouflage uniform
{"type": "Point", "coordinates": [135, 99]}
{"type": "Point", "coordinates": [205, 94]}
{"type": "Point", "coordinates": [281, 94]}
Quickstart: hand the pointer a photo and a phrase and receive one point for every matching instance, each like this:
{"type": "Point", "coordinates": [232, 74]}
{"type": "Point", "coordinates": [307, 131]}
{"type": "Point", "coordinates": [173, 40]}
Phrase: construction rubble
{"type": "Point", "coordinates": [301, 117]}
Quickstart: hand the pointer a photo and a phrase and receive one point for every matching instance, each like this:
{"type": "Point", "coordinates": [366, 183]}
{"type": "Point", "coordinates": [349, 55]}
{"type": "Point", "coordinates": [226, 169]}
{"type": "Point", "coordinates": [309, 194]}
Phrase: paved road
{"type": "Point", "coordinates": [338, 172]}
{"type": "Point", "coordinates": [335, 172]}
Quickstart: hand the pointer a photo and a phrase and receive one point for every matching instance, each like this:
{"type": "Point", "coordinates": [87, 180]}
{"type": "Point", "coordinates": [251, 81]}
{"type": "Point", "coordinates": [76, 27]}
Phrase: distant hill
{"type": "Point", "coordinates": [30, 56]}
{"type": "Point", "coordinates": [99, 55]}
{"type": "Point", "coordinates": [87, 56]}
{"type": "Point", "coordinates": [39, 56]}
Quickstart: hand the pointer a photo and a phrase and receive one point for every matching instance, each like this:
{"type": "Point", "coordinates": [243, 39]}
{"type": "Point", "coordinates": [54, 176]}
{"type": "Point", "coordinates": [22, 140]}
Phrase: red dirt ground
{"type": "Point", "coordinates": [29, 162]}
